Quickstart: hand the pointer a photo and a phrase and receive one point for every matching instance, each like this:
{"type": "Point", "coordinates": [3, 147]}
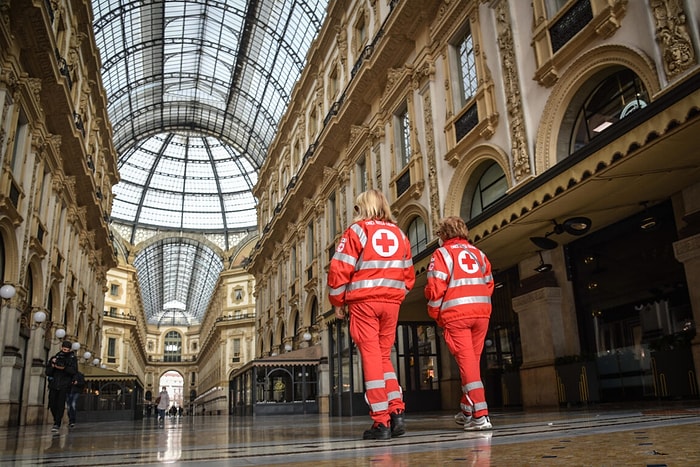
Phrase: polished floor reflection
{"type": "Point", "coordinates": [653, 435]}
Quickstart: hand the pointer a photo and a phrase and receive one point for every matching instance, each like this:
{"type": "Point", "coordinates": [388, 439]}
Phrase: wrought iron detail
{"type": "Point", "coordinates": [63, 68]}
{"type": "Point", "coordinates": [466, 122]}
{"type": "Point", "coordinates": [566, 27]}
{"type": "Point", "coordinates": [403, 183]}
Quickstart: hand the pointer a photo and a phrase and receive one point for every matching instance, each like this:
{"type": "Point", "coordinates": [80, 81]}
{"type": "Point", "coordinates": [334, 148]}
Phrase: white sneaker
{"type": "Point", "coordinates": [462, 419]}
{"type": "Point", "coordinates": [479, 423]}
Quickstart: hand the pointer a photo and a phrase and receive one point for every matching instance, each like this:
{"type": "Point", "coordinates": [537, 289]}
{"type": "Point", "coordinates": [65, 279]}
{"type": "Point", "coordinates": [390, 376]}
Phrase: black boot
{"type": "Point", "coordinates": [378, 431]}
{"type": "Point", "coordinates": [398, 424]}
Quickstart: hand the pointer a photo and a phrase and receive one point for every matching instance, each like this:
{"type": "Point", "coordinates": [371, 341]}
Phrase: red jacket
{"type": "Point", "coordinates": [372, 262]}
{"type": "Point", "coordinates": [459, 284]}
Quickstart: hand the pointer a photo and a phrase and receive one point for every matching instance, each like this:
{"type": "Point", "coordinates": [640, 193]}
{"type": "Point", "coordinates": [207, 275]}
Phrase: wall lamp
{"type": "Point", "coordinates": [39, 319]}
{"type": "Point", "coordinates": [575, 226]}
{"type": "Point", "coordinates": [60, 334]}
{"type": "Point", "coordinates": [543, 267]}
{"type": "Point", "coordinates": [7, 291]}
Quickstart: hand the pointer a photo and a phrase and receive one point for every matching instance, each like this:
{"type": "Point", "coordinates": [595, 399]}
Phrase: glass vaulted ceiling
{"type": "Point", "coordinates": [195, 92]}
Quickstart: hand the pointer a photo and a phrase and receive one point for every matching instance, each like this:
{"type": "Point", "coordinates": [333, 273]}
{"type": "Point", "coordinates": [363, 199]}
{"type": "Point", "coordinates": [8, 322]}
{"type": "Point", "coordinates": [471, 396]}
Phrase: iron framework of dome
{"type": "Point", "coordinates": [195, 93]}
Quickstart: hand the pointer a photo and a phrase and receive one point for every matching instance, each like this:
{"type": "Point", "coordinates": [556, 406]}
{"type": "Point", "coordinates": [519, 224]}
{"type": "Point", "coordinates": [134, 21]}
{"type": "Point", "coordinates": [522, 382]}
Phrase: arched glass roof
{"type": "Point", "coordinates": [195, 92]}
{"type": "Point", "coordinates": [178, 275]}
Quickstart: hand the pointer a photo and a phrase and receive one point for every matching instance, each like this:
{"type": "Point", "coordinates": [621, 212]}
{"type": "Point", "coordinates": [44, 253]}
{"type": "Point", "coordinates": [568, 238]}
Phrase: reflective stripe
{"type": "Point", "coordinates": [480, 406]}
{"type": "Point", "coordinates": [376, 384]}
{"type": "Point", "coordinates": [467, 409]}
{"type": "Point", "coordinates": [435, 274]}
{"type": "Point", "coordinates": [394, 395]}
{"type": "Point", "coordinates": [469, 281]}
{"type": "Point", "coordinates": [379, 406]}
{"type": "Point", "coordinates": [464, 301]}
{"type": "Point", "coordinates": [370, 284]}
{"type": "Point", "coordinates": [446, 257]}
{"type": "Point", "coordinates": [339, 291]}
{"type": "Point", "coordinates": [342, 257]}
{"type": "Point", "coordinates": [360, 234]}
{"type": "Point", "coordinates": [389, 375]}
{"type": "Point", "coordinates": [469, 401]}
{"type": "Point", "coordinates": [378, 264]}
{"type": "Point", "coordinates": [471, 386]}
{"type": "Point", "coordinates": [434, 303]}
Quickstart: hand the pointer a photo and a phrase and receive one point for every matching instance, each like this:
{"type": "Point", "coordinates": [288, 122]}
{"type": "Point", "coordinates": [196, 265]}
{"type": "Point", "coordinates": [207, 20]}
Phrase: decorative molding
{"type": "Point", "coordinates": [535, 297]}
{"type": "Point", "coordinates": [433, 186]}
{"type": "Point", "coordinates": [687, 249]}
{"type": "Point", "coordinates": [671, 22]}
{"type": "Point", "coordinates": [519, 152]}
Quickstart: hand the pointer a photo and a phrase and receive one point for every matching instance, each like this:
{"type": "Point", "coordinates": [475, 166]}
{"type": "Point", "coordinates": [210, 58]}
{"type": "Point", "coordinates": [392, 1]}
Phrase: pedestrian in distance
{"type": "Point", "coordinates": [458, 290]}
{"type": "Point", "coordinates": [59, 371]}
{"type": "Point", "coordinates": [76, 389]}
{"type": "Point", "coordinates": [369, 276]}
{"type": "Point", "coordinates": [163, 402]}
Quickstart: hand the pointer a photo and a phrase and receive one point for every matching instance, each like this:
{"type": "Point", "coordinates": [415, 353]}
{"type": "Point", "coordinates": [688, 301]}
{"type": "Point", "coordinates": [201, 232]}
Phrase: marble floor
{"type": "Point", "coordinates": [652, 435]}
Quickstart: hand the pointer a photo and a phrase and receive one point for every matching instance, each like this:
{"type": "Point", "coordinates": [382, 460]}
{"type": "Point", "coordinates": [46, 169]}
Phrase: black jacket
{"type": "Point", "coordinates": [60, 370]}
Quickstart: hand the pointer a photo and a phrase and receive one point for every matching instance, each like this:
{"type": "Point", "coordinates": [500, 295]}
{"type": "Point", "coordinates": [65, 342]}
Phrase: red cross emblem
{"type": "Point", "coordinates": [467, 262]}
{"type": "Point", "coordinates": [385, 242]}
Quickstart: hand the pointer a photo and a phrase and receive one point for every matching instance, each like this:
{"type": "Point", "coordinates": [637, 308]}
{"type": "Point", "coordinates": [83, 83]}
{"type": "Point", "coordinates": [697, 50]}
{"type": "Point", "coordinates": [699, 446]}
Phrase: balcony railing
{"type": "Point", "coordinates": [566, 27]}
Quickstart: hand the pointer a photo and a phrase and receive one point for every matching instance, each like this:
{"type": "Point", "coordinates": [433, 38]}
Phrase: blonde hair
{"type": "Point", "coordinates": [452, 227]}
{"type": "Point", "coordinates": [372, 204]}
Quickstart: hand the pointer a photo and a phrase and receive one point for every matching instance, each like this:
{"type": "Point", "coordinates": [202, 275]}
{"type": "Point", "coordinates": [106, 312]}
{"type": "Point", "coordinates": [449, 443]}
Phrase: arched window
{"type": "Point", "coordinates": [173, 347]}
{"type": "Point", "coordinates": [612, 98]}
{"type": "Point", "coordinates": [314, 312]}
{"type": "Point", "coordinates": [488, 186]}
{"type": "Point", "coordinates": [418, 235]}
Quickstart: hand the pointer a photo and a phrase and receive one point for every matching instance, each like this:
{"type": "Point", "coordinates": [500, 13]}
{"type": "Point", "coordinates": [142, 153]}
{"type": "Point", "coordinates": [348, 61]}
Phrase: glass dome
{"type": "Point", "coordinates": [195, 92]}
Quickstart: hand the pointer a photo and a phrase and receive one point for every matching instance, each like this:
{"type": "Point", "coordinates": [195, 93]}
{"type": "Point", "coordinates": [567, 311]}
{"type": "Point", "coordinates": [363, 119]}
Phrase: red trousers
{"type": "Point", "coordinates": [373, 329]}
{"type": "Point", "coordinates": [465, 339]}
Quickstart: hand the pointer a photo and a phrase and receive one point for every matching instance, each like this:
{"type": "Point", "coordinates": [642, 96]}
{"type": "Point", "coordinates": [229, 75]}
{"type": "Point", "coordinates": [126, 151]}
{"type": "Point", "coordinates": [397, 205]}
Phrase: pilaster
{"type": "Point", "coordinates": [687, 251]}
{"type": "Point", "coordinates": [541, 334]}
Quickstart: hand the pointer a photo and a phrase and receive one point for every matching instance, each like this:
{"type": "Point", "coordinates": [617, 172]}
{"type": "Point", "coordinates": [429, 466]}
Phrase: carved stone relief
{"type": "Point", "coordinates": [519, 152]}
{"type": "Point", "coordinates": [672, 35]}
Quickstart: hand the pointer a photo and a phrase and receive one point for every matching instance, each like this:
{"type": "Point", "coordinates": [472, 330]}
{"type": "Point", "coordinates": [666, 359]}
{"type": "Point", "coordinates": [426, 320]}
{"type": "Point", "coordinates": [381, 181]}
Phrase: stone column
{"type": "Point", "coordinates": [687, 251]}
{"type": "Point", "coordinates": [543, 337]}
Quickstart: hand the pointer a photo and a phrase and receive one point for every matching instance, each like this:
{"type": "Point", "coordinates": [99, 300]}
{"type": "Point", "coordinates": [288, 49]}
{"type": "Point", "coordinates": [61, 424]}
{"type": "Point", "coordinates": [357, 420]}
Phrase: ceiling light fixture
{"type": "Point", "coordinates": [649, 221]}
{"type": "Point", "coordinates": [602, 126]}
{"type": "Point", "coordinates": [543, 267]}
{"type": "Point", "coordinates": [575, 226]}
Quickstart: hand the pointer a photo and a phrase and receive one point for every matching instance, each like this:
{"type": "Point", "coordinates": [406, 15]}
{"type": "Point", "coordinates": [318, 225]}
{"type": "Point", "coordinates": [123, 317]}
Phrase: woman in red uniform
{"type": "Point", "coordinates": [459, 288]}
{"type": "Point", "coordinates": [370, 274]}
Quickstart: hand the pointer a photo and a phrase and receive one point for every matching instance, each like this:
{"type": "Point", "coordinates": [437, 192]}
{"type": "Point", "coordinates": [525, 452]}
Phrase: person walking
{"type": "Point", "coordinates": [458, 290]}
{"type": "Point", "coordinates": [76, 388]}
{"type": "Point", "coordinates": [59, 371]}
{"type": "Point", "coordinates": [163, 402]}
{"type": "Point", "coordinates": [369, 276]}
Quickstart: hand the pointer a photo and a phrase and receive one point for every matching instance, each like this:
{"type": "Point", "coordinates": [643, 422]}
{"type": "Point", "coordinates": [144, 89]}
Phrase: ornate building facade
{"type": "Point", "coordinates": [67, 270]}
{"type": "Point", "coordinates": [562, 131]}
{"type": "Point", "coordinates": [58, 167]}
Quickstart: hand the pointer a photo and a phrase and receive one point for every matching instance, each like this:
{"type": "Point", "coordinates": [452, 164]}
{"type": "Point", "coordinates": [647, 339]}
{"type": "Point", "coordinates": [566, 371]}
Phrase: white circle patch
{"type": "Point", "coordinates": [385, 242]}
{"type": "Point", "coordinates": [467, 262]}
